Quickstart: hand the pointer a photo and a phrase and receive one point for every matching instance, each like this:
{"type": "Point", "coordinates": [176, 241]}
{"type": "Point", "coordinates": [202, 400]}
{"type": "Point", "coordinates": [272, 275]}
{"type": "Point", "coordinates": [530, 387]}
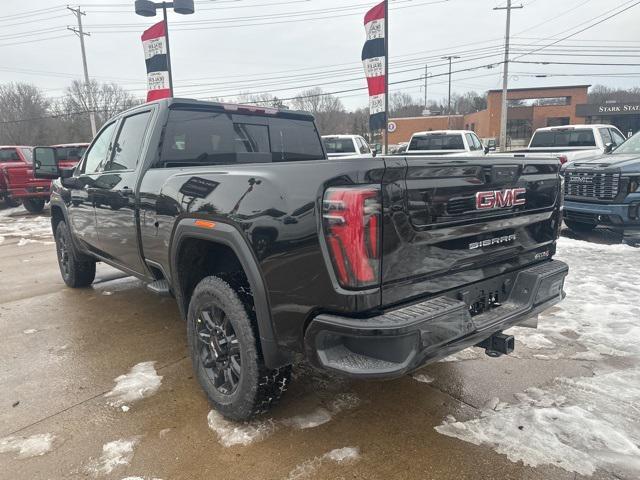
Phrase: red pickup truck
{"type": "Point", "coordinates": [69, 154]}
{"type": "Point", "coordinates": [17, 182]}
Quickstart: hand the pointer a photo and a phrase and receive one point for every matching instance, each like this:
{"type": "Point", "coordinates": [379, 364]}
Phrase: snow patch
{"type": "Point", "coordinates": [309, 467]}
{"type": "Point", "coordinates": [236, 433]}
{"type": "Point", "coordinates": [114, 454]}
{"type": "Point", "coordinates": [232, 433]}
{"type": "Point", "coordinates": [29, 331]}
{"type": "Point", "coordinates": [468, 354]}
{"type": "Point", "coordinates": [314, 419]}
{"type": "Point", "coordinates": [27, 447]}
{"type": "Point", "coordinates": [530, 338]}
{"type": "Point", "coordinates": [142, 381]}
{"type": "Point", "coordinates": [423, 378]}
{"type": "Point", "coordinates": [586, 423]}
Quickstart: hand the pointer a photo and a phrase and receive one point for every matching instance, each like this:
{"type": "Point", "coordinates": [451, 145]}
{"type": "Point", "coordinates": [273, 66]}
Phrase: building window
{"type": "Point", "coordinates": [538, 102]}
{"type": "Point", "coordinates": [558, 121]}
{"type": "Point", "coordinates": [519, 129]}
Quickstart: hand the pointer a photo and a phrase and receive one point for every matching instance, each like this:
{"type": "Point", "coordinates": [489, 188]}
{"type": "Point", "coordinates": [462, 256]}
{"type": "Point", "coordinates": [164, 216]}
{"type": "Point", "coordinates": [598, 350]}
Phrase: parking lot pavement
{"type": "Point", "coordinates": [96, 383]}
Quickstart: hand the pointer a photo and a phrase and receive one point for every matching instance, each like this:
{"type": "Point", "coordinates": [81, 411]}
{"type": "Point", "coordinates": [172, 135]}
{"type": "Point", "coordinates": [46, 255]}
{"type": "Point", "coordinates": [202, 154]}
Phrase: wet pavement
{"type": "Point", "coordinates": [62, 349]}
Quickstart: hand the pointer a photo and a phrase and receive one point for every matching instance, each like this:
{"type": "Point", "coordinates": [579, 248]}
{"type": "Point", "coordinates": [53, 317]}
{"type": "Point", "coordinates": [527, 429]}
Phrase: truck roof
{"type": "Point", "coordinates": [78, 144]}
{"type": "Point", "coordinates": [573, 127]}
{"type": "Point", "coordinates": [346, 135]}
{"type": "Point", "coordinates": [444, 132]}
{"type": "Point", "coordinates": [232, 108]}
{"type": "Point", "coordinates": [16, 146]}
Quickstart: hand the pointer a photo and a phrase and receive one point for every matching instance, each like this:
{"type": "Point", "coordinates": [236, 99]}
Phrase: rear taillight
{"type": "Point", "coordinates": [563, 159]}
{"type": "Point", "coordinates": [351, 221]}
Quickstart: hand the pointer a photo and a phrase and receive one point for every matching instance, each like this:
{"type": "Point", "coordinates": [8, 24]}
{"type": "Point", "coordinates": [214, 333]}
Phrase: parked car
{"type": "Point", "coordinates": [572, 142]}
{"type": "Point", "coordinates": [69, 154]}
{"type": "Point", "coordinates": [458, 143]}
{"type": "Point", "coordinates": [605, 190]}
{"type": "Point", "coordinates": [346, 146]}
{"type": "Point", "coordinates": [274, 252]}
{"type": "Point", "coordinates": [17, 183]}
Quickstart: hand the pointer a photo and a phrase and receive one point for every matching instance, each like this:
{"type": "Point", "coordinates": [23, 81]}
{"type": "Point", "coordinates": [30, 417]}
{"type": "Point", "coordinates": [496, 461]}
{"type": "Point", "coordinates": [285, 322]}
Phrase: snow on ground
{"type": "Point", "coordinates": [422, 378]}
{"type": "Point", "coordinates": [26, 228]}
{"type": "Point", "coordinates": [27, 447]}
{"type": "Point", "coordinates": [586, 423]}
{"type": "Point", "coordinates": [235, 433]}
{"type": "Point", "coordinates": [114, 454]}
{"type": "Point", "coordinates": [142, 381]}
{"type": "Point", "coordinates": [309, 467]}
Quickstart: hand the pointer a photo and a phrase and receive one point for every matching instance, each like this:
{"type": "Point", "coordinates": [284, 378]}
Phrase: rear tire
{"type": "Point", "coordinates": [76, 269]}
{"type": "Point", "coordinates": [34, 205]}
{"type": "Point", "coordinates": [580, 227]}
{"type": "Point", "coordinates": [225, 353]}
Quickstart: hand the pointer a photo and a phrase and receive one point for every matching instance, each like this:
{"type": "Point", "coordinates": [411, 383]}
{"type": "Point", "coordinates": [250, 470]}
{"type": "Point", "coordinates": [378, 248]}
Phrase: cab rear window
{"type": "Point", "coordinates": [436, 142]}
{"type": "Point", "coordinates": [9, 155]}
{"type": "Point", "coordinates": [220, 138]}
{"type": "Point", "coordinates": [563, 138]}
{"type": "Point", "coordinates": [339, 145]}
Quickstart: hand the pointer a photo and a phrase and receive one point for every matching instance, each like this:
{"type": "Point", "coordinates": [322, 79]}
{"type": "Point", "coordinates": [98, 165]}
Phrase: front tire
{"type": "Point", "coordinates": [225, 354]}
{"type": "Point", "coordinates": [77, 270]}
{"type": "Point", "coordinates": [34, 205]}
{"type": "Point", "coordinates": [580, 227]}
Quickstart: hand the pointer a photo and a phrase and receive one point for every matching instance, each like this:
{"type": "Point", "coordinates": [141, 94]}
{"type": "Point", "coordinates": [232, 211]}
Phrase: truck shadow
{"type": "Point", "coordinates": [602, 236]}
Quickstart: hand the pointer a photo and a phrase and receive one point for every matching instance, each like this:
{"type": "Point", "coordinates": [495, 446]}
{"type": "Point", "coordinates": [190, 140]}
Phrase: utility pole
{"type": "Point", "coordinates": [450, 58]}
{"type": "Point", "coordinates": [505, 77]}
{"type": "Point", "coordinates": [92, 116]}
{"type": "Point", "coordinates": [426, 72]}
{"type": "Point", "coordinates": [386, 77]}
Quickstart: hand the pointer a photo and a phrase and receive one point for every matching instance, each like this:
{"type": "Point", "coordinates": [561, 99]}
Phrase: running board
{"type": "Point", "coordinates": [159, 287]}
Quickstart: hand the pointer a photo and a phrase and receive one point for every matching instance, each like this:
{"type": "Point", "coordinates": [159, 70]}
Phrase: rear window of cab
{"type": "Point", "coordinates": [563, 138]}
{"type": "Point", "coordinates": [197, 137]}
{"type": "Point", "coordinates": [436, 142]}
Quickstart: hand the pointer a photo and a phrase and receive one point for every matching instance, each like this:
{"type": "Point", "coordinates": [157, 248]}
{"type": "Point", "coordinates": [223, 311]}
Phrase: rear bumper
{"type": "Point", "coordinates": [401, 340]}
{"type": "Point", "coordinates": [624, 216]}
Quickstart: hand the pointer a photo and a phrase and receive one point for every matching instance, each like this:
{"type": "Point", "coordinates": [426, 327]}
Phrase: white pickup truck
{"type": "Point", "coordinates": [340, 146]}
{"type": "Point", "coordinates": [457, 143]}
{"type": "Point", "coordinates": [571, 142]}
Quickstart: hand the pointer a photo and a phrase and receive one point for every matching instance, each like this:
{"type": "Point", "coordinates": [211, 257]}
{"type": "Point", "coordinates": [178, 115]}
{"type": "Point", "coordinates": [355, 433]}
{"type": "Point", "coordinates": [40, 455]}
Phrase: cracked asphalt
{"type": "Point", "coordinates": [61, 350]}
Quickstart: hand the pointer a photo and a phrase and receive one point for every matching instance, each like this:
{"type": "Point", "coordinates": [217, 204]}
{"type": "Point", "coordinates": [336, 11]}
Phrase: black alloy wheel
{"type": "Point", "coordinates": [219, 349]}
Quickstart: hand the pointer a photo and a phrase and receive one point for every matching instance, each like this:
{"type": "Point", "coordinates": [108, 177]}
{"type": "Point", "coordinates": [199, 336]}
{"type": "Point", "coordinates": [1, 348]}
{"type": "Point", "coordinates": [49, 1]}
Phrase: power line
{"type": "Point", "coordinates": [581, 30]}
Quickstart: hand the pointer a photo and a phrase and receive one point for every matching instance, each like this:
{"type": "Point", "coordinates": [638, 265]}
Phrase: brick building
{"type": "Point", "coordinates": [529, 109]}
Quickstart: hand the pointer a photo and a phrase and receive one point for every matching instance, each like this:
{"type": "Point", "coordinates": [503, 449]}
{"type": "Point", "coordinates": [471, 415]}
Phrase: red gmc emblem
{"type": "Point", "coordinates": [511, 197]}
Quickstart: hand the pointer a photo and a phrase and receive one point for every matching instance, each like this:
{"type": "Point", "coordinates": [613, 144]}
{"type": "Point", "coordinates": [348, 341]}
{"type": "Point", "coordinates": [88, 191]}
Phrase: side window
{"type": "Point", "coordinates": [618, 138]}
{"type": "Point", "coordinates": [128, 144]}
{"type": "Point", "coordinates": [477, 142]}
{"type": "Point", "coordinates": [606, 136]}
{"type": "Point", "coordinates": [97, 155]}
{"type": "Point", "coordinates": [9, 155]}
{"type": "Point", "coordinates": [367, 148]}
{"type": "Point", "coordinates": [472, 145]}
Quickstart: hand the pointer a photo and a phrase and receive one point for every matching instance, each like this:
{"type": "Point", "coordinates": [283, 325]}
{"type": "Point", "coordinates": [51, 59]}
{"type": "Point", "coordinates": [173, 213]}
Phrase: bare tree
{"type": "Point", "coordinates": [404, 105]}
{"type": "Point", "coordinates": [107, 99]}
{"type": "Point", "coordinates": [603, 94]}
{"type": "Point", "coordinates": [23, 114]}
{"type": "Point", "coordinates": [328, 110]}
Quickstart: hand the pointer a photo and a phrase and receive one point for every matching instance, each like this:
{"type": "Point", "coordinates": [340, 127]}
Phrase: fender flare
{"type": "Point", "coordinates": [228, 235]}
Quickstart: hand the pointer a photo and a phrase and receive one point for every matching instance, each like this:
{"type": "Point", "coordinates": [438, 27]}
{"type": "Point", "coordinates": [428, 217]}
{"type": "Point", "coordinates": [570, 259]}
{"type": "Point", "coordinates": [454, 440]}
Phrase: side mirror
{"type": "Point", "coordinates": [608, 147]}
{"type": "Point", "coordinates": [487, 149]}
{"type": "Point", "coordinates": [374, 153]}
{"type": "Point", "coordinates": [45, 163]}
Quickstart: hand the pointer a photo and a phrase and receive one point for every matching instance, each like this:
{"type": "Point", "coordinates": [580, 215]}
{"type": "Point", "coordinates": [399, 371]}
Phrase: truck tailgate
{"type": "Point", "coordinates": [449, 222]}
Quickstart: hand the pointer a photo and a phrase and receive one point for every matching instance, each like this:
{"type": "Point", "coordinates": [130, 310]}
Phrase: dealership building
{"type": "Point", "coordinates": [528, 110]}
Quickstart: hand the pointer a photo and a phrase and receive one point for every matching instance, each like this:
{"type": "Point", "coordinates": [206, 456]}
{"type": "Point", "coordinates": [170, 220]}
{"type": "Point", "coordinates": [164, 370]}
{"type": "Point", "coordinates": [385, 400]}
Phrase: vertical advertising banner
{"type": "Point", "coordinates": [154, 42]}
{"type": "Point", "coordinates": [374, 61]}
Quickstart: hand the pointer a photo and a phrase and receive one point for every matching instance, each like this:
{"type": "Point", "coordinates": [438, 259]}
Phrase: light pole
{"type": "Point", "coordinates": [147, 8]}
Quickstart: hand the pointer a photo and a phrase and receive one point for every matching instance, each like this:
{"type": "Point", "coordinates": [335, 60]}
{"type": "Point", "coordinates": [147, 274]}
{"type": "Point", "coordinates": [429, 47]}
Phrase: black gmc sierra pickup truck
{"type": "Point", "coordinates": [369, 267]}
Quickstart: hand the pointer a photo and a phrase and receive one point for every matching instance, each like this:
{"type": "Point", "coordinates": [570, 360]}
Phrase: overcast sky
{"type": "Point", "coordinates": [284, 46]}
